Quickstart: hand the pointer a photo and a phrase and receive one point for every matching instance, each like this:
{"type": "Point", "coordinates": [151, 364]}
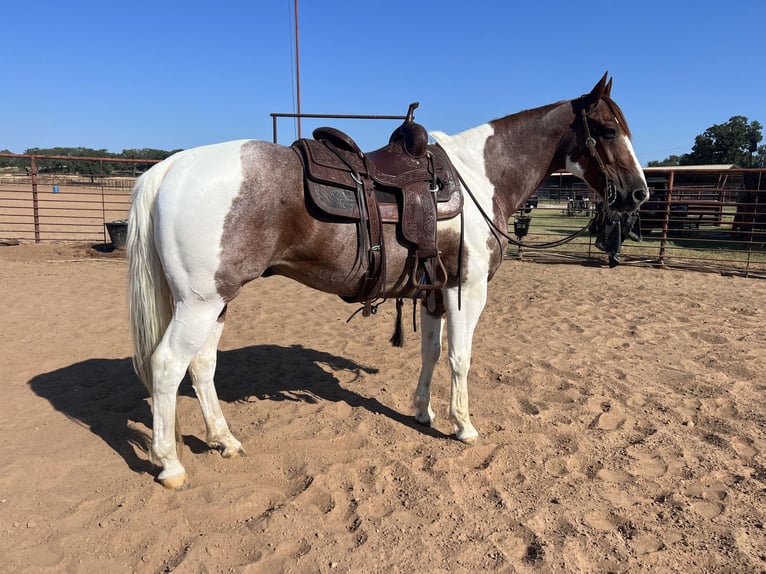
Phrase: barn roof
{"type": "Point", "coordinates": [708, 167]}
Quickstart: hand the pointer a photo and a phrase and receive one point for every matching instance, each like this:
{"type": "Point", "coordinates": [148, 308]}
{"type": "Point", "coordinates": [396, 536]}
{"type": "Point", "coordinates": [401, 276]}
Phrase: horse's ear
{"type": "Point", "coordinates": [608, 89]}
{"type": "Point", "coordinates": [599, 90]}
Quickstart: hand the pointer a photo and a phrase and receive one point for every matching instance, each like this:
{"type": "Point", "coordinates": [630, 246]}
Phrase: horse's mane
{"type": "Point", "coordinates": [615, 109]}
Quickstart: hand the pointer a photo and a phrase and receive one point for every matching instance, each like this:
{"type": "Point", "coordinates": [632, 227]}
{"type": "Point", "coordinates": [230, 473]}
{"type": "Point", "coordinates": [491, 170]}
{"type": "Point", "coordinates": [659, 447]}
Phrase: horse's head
{"type": "Point", "coordinates": [600, 151]}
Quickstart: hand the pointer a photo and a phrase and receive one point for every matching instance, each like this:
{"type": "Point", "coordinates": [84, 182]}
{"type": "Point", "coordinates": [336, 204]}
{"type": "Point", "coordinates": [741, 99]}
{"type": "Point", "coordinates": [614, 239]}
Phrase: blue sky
{"type": "Point", "coordinates": [171, 74]}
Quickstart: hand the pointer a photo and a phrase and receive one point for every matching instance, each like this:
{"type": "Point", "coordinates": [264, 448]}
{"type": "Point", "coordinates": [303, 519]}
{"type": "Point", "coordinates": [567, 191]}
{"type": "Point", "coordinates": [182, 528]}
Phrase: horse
{"type": "Point", "coordinates": [206, 221]}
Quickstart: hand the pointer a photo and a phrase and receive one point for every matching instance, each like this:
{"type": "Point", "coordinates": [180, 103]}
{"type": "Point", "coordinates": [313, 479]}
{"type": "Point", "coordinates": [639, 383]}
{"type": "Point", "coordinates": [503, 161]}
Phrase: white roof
{"type": "Point", "coordinates": [709, 167]}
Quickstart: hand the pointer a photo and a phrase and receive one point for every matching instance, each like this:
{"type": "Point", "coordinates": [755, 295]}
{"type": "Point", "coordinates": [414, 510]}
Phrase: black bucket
{"type": "Point", "coordinates": [521, 225]}
{"type": "Point", "coordinates": [118, 233]}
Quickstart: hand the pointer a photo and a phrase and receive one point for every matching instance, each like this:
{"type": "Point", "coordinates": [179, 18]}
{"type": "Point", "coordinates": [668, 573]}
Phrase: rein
{"type": "Point", "coordinates": [496, 230]}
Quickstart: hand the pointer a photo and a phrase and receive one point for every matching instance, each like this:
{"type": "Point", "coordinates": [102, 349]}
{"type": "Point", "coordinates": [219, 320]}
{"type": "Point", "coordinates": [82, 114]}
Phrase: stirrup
{"type": "Point", "coordinates": [435, 283]}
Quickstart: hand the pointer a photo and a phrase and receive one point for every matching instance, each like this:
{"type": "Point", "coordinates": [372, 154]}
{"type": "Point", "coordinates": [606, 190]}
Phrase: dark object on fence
{"type": "Point", "coordinates": [118, 232]}
{"type": "Point", "coordinates": [521, 225]}
{"type": "Point", "coordinates": [612, 230]}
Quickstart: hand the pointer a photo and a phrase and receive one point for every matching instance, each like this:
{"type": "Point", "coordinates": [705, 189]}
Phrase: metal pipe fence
{"type": "Point", "coordinates": [710, 219]}
{"type": "Point", "coordinates": [40, 207]}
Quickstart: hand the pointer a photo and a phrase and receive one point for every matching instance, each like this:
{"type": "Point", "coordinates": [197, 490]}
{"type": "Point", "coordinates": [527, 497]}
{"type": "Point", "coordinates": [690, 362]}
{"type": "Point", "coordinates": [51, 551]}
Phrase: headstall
{"type": "Point", "coordinates": [590, 143]}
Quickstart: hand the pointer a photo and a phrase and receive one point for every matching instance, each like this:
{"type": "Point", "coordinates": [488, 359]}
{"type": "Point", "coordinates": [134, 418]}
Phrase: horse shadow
{"type": "Point", "coordinates": [105, 396]}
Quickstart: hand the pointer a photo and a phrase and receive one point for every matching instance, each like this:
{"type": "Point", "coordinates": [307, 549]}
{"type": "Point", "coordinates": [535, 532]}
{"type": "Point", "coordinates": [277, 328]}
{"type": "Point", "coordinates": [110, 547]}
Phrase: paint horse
{"type": "Point", "coordinates": [208, 220]}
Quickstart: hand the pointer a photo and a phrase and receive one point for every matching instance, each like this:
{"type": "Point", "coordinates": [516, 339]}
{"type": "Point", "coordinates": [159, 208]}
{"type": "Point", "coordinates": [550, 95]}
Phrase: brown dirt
{"type": "Point", "coordinates": [622, 414]}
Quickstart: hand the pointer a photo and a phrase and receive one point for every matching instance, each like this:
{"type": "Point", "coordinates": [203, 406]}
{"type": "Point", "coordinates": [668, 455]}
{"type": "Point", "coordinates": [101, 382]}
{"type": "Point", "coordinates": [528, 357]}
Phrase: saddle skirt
{"type": "Point", "coordinates": [331, 180]}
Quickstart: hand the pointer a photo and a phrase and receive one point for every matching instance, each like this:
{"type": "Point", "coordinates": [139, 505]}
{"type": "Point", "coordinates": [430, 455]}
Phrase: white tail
{"type": "Point", "coordinates": [150, 300]}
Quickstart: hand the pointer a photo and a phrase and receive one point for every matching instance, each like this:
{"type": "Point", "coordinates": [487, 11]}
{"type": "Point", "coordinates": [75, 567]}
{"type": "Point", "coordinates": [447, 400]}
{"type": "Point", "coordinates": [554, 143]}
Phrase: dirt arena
{"type": "Point", "coordinates": [622, 413]}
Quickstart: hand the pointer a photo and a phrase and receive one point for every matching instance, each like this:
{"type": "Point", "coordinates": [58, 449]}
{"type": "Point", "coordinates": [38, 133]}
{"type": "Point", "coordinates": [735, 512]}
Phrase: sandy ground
{"type": "Point", "coordinates": [622, 412]}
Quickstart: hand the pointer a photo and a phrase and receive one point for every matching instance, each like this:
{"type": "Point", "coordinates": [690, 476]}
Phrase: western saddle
{"type": "Point", "coordinates": [408, 182]}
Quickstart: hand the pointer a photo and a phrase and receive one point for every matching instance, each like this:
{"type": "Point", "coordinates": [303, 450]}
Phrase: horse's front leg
{"type": "Point", "coordinates": [461, 324]}
{"type": "Point", "coordinates": [430, 350]}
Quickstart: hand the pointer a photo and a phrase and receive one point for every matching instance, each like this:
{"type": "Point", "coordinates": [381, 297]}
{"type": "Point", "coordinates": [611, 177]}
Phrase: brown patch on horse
{"type": "Point", "coordinates": [278, 195]}
{"type": "Point", "coordinates": [264, 196]}
{"type": "Point", "coordinates": [516, 144]}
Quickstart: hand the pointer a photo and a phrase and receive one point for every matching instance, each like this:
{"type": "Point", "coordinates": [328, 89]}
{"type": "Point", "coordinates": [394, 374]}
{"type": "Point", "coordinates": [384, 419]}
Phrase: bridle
{"type": "Point", "coordinates": [610, 193]}
{"type": "Point", "coordinates": [591, 144]}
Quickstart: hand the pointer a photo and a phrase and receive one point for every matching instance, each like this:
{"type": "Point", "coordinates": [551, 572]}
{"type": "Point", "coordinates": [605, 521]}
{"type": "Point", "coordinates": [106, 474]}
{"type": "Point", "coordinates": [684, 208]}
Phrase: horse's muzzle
{"type": "Point", "coordinates": [631, 202]}
{"type": "Point", "coordinates": [640, 196]}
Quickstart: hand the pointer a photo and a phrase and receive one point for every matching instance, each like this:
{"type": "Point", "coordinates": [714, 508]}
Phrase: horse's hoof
{"type": "Point", "coordinates": [233, 452]}
{"type": "Point", "coordinates": [177, 483]}
{"type": "Point", "coordinates": [468, 437]}
{"type": "Point", "coordinates": [426, 418]}
{"type": "Point", "coordinates": [426, 421]}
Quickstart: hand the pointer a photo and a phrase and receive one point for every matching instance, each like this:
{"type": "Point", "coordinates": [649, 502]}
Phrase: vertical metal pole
{"type": "Point", "coordinates": [666, 218]}
{"type": "Point", "coordinates": [753, 219]}
{"type": "Point", "coordinates": [35, 204]}
{"type": "Point", "coordinates": [297, 71]}
{"type": "Point", "coordinates": [274, 127]}
{"type": "Point", "coordinates": [103, 199]}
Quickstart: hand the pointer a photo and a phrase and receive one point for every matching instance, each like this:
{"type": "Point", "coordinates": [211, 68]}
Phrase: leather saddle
{"type": "Point", "coordinates": [408, 183]}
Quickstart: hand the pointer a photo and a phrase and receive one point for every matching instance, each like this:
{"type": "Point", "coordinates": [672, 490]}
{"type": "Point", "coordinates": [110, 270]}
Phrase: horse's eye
{"type": "Point", "coordinates": [610, 133]}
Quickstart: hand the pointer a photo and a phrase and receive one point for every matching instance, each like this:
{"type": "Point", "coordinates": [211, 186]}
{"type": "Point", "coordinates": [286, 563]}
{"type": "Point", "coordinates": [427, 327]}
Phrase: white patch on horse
{"type": "Point", "coordinates": [466, 151]}
{"type": "Point", "coordinates": [574, 168]}
{"type": "Point", "coordinates": [190, 216]}
{"type": "Point", "coordinates": [636, 163]}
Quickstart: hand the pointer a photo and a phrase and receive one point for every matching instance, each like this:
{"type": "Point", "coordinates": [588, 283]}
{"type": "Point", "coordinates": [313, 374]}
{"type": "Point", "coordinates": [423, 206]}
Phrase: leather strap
{"type": "Point", "coordinates": [371, 285]}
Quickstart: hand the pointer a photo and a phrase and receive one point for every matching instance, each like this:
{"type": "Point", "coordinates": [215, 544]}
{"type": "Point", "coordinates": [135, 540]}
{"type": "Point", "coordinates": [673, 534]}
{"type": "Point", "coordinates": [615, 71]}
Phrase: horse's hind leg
{"type": "Point", "coordinates": [431, 326]}
{"type": "Point", "coordinates": [202, 372]}
{"type": "Point", "coordinates": [189, 330]}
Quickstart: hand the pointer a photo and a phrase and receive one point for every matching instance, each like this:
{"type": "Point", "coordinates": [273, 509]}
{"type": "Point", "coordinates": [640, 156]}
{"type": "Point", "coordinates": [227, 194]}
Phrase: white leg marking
{"type": "Point", "coordinates": [202, 372]}
{"type": "Point", "coordinates": [460, 328]}
{"type": "Point", "coordinates": [188, 331]}
{"type": "Point", "coordinates": [430, 351]}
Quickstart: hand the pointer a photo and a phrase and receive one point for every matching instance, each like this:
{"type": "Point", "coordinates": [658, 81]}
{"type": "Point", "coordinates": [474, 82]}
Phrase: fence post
{"type": "Point", "coordinates": [35, 204]}
{"type": "Point", "coordinates": [103, 199]}
{"type": "Point", "coordinates": [666, 217]}
{"type": "Point", "coordinates": [274, 127]}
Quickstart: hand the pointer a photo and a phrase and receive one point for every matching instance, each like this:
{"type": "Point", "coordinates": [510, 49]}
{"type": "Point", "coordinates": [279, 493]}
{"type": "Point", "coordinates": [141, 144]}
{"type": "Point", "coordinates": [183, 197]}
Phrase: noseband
{"type": "Point", "coordinates": [590, 143]}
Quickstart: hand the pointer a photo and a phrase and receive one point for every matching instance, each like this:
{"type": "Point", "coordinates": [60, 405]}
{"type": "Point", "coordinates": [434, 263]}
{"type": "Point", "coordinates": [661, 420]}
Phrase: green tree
{"type": "Point", "coordinates": [670, 160]}
{"type": "Point", "coordinates": [66, 164]}
{"type": "Point", "coordinates": [734, 142]}
{"type": "Point", "coordinates": [143, 153]}
{"type": "Point", "coordinates": [78, 166]}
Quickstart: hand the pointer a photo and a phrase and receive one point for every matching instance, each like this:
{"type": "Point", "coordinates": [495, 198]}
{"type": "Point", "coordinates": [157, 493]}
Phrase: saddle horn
{"type": "Point", "coordinates": [411, 111]}
{"type": "Point", "coordinates": [412, 135]}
